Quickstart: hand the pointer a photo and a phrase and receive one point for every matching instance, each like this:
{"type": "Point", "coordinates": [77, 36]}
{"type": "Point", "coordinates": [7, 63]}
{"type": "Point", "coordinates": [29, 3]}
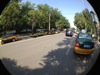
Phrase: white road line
{"type": "Point", "coordinates": [69, 47]}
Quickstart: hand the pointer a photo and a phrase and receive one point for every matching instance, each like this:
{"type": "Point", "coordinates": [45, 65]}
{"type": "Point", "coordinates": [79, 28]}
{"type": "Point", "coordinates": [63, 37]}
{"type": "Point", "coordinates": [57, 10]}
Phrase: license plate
{"type": "Point", "coordinates": [86, 46]}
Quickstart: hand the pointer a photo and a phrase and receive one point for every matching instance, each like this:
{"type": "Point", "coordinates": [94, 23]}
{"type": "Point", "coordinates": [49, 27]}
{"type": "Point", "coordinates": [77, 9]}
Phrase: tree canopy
{"type": "Point", "coordinates": [18, 16]}
{"type": "Point", "coordinates": [83, 20]}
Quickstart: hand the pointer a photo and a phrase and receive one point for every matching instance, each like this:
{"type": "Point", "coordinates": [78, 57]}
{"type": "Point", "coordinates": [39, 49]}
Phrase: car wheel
{"type": "Point", "coordinates": [13, 40]}
{"type": "Point", "coordinates": [2, 42]}
{"type": "Point", "coordinates": [37, 35]}
{"type": "Point", "coordinates": [74, 52]}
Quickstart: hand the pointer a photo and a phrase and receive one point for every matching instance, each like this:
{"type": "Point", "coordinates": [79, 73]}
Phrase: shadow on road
{"type": "Point", "coordinates": [96, 68]}
{"type": "Point", "coordinates": [56, 62]}
{"type": "Point", "coordinates": [67, 41]}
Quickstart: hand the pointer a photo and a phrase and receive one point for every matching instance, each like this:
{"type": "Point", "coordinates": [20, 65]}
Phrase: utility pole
{"type": "Point", "coordinates": [32, 29]}
{"type": "Point", "coordinates": [49, 20]}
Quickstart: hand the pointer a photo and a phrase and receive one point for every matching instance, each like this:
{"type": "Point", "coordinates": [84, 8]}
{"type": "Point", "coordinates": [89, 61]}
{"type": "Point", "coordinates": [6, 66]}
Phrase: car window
{"type": "Point", "coordinates": [7, 35]}
{"type": "Point", "coordinates": [69, 32]}
{"type": "Point", "coordinates": [85, 36]}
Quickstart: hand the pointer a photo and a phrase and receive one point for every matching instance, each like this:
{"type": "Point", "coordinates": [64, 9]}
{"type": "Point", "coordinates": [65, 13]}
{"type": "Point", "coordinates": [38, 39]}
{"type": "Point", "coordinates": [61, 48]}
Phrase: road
{"type": "Point", "coordinates": [46, 55]}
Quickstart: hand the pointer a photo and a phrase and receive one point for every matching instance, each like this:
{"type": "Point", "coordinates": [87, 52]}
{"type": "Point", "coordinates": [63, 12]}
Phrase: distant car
{"type": "Point", "coordinates": [57, 31]}
{"type": "Point", "coordinates": [84, 44]}
{"type": "Point", "coordinates": [51, 32]}
{"type": "Point", "coordinates": [69, 33]}
{"type": "Point", "coordinates": [46, 32]}
{"type": "Point", "coordinates": [9, 37]}
{"type": "Point", "coordinates": [38, 33]}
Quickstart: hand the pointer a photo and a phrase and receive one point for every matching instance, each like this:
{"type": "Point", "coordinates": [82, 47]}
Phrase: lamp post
{"type": "Point", "coordinates": [95, 23]}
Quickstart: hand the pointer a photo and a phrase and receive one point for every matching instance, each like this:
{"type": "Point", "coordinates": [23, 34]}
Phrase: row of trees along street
{"type": "Point", "coordinates": [84, 20]}
{"type": "Point", "coordinates": [18, 16]}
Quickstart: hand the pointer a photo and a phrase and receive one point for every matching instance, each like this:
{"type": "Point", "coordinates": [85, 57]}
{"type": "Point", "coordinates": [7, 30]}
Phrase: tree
{"type": "Point", "coordinates": [24, 14]}
{"type": "Point", "coordinates": [9, 17]}
{"type": "Point", "coordinates": [45, 15]}
{"type": "Point", "coordinates": [19, 16]}
{"type": "Point", "coordinates": [63, 23]}
{"type": "Point", "coordinates": [83, 20]}
{"type": "Point", "coordinates": [79, 21]}
{"type": "Point", "coordinates": [88, 20]}
{"type": "Point", "coordinates": [73, 29]}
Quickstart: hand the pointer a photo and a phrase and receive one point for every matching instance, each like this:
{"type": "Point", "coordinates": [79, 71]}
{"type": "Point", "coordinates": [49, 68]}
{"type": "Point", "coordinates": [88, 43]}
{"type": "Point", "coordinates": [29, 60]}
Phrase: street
{"type": "Point", "coordinates": [46, 55]}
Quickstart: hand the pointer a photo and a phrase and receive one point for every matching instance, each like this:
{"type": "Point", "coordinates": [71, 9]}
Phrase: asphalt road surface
{"type": "Point", "coordinates": [46, 55]}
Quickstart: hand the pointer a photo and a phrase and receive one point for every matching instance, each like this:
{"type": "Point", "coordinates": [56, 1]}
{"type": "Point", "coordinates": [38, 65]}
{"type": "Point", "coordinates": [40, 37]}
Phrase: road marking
{"type": "Point", "coordinates": [69, 47]}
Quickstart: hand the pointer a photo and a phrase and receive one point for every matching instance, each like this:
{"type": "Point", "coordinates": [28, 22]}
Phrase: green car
{"type": "Point", "coordinates": [84, 44]}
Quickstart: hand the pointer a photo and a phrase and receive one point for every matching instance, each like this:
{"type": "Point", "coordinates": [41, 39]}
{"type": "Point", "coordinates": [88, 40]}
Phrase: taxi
{"type": "Point", "coordinates": [9, 37]}
{"type": "Point", "coordinates": [84, 44]}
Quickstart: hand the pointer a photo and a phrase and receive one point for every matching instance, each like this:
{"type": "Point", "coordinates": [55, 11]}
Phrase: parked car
{"type": "Point", "coordinates": [69, 33]}
{"type": "Point", "coordinates": [57, 31]}
{"type": "Point", "coordinates": [38, 33]}
{"type": "Point", "coordinates": [84, 44]}
{"type": "Point", "coordinates": [51, 32]}
{"type": "Point", "coordinates": [9, 37]}
{"type": "Point", "coordinates": [46, 32]}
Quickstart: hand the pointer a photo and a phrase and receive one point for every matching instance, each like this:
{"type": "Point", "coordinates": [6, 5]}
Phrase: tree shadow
{"type": "Point", "coordinates": [67, 41]}
{"type": "Point", "coordinates": [56, 62]}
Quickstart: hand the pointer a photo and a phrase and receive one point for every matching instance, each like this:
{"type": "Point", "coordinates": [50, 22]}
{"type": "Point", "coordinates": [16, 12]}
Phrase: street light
{"type": "Point", "coordinates": [95, 23]}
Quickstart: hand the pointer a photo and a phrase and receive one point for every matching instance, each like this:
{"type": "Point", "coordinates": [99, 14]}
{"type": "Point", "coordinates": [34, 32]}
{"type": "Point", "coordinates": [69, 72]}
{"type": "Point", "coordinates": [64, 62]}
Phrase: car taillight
{"type": "Point", "coordinates": [77, 44]}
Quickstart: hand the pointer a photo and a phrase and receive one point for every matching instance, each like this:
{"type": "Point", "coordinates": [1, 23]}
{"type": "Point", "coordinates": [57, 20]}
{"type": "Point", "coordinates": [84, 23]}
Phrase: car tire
{"type": "Point", "coordinates": [13, 40]}
{"type": "Point", "coordinates": [2, 42]}
{"type": "Point", "coordinates": [37, 35]}
{"type": "Point", "coordinates": [74, 52]}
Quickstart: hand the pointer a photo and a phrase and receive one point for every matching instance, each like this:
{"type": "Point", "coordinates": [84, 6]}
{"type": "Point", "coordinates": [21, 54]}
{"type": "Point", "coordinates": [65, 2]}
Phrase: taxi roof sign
{"type": "Point", "coordinates": [83, 31]}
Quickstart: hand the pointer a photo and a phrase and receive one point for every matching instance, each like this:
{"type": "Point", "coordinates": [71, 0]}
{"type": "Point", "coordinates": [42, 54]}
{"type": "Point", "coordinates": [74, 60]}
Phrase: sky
{"type": "Point", "coordinates": [68, 8]}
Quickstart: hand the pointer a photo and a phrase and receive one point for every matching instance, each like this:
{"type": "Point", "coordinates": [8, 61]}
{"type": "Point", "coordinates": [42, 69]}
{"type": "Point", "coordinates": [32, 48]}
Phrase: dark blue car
{"type": "Point", "coordinates": [69, 33]}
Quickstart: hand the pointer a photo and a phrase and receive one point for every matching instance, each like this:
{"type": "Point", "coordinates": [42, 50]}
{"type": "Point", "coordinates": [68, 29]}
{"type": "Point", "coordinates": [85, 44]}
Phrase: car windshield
{"type": "Point", "coordinates": [69, 32]}
{"type": "Point", "coordinates": [7, 35]}
{"type": "Point", "coordinates": [82, 35]}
